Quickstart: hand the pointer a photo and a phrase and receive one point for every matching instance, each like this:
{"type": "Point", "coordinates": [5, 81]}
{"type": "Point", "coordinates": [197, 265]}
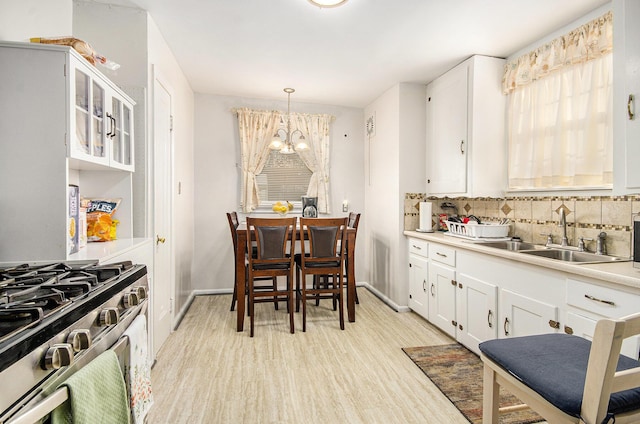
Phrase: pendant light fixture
{"type": "Point", "coordinates": [287, 147]}
{"type": "Point", "coordinates": [327, 3]}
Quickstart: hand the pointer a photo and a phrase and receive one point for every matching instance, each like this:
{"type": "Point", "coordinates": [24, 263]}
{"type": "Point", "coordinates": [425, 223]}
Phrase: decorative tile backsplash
{"type": "Point", "coordinates": [533, 218]}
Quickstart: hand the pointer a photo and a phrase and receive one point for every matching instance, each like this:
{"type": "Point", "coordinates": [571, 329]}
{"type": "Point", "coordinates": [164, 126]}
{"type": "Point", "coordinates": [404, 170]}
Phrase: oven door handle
{"type": "Point", "coordinates": [43, 408]}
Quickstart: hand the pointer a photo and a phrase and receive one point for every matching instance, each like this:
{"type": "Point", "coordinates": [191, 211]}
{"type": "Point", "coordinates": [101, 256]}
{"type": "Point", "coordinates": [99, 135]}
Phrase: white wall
{"type": "Point", "coordinates": [23, 19]}
{"type": "Point", "coordinates": [395, 165]}
{"type": "Point", "coordinates": [126, 45]}
{"type": "Point", "coordinates": [161, 57]}
{"type": "Point", "coordinates": [218, 178]}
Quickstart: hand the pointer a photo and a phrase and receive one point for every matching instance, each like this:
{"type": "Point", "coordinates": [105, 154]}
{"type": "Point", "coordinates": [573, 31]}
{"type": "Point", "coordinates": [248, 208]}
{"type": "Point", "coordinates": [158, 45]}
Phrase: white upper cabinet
{"type": "Point", "coordinates": [102, 118]}
{"type": "Point", "coordinates": [63, 123]}
{"type": "Point", "coordinates": [626, 92]}
{"type": "Point", "coordinates": [99, 115]}
{"type": "Point", "coordinates": [466, 149]}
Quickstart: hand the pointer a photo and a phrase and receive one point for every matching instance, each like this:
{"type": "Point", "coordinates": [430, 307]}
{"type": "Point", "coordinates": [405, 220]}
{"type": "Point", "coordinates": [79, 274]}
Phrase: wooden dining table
{"type": "Point", "coordinates": [241, 273]}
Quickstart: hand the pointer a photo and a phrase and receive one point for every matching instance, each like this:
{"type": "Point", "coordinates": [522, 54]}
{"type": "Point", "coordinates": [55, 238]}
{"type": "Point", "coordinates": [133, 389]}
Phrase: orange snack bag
{"type": "Point", "coordinates": [101, 226]}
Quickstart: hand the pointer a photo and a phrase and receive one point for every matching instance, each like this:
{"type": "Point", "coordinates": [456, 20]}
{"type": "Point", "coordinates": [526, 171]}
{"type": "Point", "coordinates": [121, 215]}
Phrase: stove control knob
{"type": "Point", "coordinates": [141, 291]}
{"type": "Point", "coordinates": [58, 355]}
{"type": "Point", "coordinates": [79, 339]}
{"type": "Point", "coordinates": [130, 299]}
{"type": "Point", "coordinates": [108, 316]}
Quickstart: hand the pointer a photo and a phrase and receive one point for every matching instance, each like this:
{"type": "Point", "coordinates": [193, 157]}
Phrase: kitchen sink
{"type": "Point", "coordinates": [573, 256]}
{"type": "Point", "coordinates": [512, 245]}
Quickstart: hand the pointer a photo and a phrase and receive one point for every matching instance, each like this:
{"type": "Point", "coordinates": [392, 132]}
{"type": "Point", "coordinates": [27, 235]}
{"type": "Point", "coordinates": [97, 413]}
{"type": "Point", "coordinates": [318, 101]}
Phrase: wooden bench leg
{"type": "Point", "coordinates": [490, 397]}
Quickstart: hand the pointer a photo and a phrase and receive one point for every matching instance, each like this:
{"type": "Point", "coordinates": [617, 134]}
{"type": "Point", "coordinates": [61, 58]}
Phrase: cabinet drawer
{"type": "Point", "coordinates": [585, 327]}
{"type": "Point", "coordinates": [443, 254]}
{"type": "Point", "coordinates": [419, 247]}
{"type": "Point", "coordinates": [600, 300]}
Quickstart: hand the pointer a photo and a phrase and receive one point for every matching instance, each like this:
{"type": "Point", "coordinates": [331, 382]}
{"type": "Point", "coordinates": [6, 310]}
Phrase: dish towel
{"type": "Point", "coordinates": [137, 370]}
{"type": "Point", "coordinates": [97, 394]}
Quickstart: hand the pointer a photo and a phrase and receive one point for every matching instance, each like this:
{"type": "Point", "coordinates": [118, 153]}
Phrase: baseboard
{"type": "Point", "coordinates": [210, 292]}
{"type": "Point", "coordinates": [384, 298]}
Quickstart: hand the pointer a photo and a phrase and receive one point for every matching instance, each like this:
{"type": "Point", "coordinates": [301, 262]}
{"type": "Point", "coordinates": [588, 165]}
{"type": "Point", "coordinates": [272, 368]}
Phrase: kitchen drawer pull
{"type": "Point", "coordinates": [416, 247]}
{"type": "Point", "coordinates": [595, 299]}
{"type": "Point", "coordinates": [441, 254]}
{"type": "Point", "coordinates": [630, 107]}
{"type": "Point", "coordinates": [506, 326]}
{"type": "Point", "coordinates": [490, 318]}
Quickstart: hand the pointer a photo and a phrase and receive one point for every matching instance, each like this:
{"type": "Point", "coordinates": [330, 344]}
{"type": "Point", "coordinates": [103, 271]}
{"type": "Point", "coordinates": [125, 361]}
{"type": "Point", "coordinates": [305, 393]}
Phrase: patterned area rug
{"type": "Point", "coordinates": [457, 372]}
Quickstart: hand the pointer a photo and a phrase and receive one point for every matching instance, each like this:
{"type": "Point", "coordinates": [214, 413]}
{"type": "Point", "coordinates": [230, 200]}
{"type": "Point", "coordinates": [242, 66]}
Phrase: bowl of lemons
{"type": "Point", "coordinates": [282, 208]}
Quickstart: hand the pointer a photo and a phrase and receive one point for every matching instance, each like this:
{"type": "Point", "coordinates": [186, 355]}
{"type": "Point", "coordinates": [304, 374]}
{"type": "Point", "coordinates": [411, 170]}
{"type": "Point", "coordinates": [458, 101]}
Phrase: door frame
{"type": "Point", "coordinates": [158, 78]}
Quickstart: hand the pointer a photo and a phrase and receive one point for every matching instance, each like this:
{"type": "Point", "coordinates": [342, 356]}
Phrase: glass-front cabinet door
{"type": "Point", "coordinates": [101, 129]}
{"type": "Point", "coordinates": [97, 121]}
{"type": "Point", "coordinates": [121, 141]}
{"type": "Point", "coordinates": [88, 139]}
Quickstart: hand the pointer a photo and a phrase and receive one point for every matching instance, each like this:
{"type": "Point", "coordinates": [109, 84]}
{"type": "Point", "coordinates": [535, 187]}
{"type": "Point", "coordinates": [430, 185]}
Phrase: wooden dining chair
{"type": "Point", "coordinates": [565, 378]}
{"type": "Point", "coordinates": [354, 220]}
{"type": "Point", "coordinates": [275, 248]}
{"type": "Point", "coordinates": [325, 256]}
{"type": "Point", "coordinates": [232, 217]}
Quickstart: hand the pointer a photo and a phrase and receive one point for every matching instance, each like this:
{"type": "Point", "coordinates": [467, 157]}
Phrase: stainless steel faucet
{"type": "Point", "coordinates": [601, 247]}
{"type": "Point", "coordinates": [563, 223]}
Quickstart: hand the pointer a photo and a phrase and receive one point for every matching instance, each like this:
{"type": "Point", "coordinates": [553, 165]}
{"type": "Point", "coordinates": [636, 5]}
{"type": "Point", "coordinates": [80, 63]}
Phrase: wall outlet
{"type": "Point", "coordinates": [345, 206]}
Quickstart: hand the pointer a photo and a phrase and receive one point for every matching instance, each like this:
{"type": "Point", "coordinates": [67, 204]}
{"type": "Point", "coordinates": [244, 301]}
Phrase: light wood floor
{"type": "Point", "coordinates": [208, 373]}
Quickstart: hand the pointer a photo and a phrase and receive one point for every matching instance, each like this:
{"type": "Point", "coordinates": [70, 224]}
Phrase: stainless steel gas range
{"type": "Point", "coordinates": [57, 317]}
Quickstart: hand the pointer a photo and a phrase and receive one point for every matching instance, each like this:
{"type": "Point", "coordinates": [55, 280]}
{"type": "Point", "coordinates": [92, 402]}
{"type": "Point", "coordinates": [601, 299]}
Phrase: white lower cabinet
{"type": "Point", "coordinates": [442, 298]}
{"type": "Point", "coordinates": [477, 311]}
{"type": "Point", "coordinates": [419, 285]}
{"type": "Point", "coordinates": [474, 297]}
{"type": "Point", "coordinates": [459, 304]}
{"type": "Point", "coordinates": [524, 316]}
{"type": "Point", "coordinates": [587, 302]}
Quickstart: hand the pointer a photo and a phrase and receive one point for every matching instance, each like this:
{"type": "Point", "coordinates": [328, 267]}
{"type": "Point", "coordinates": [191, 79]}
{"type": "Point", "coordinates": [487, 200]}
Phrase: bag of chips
{"type": "Point", "coordinates": [101, 226]}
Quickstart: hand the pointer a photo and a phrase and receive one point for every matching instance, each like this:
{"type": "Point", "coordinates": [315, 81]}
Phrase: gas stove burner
{"type": "Point", "coordinates": [70, 289]}
{"type": "Point", "coordinates": [42, 297]}
{"type": "Point", "coordinates": [12, 320]}
{"type": "Point", "coordinates": [107, 272]}
{"type": "Point", "coordinates": [79, 277]}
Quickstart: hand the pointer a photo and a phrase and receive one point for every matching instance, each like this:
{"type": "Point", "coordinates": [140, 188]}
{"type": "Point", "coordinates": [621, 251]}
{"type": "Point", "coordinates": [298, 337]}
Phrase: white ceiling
{"type": "Point", "coordinates": [345, 56]}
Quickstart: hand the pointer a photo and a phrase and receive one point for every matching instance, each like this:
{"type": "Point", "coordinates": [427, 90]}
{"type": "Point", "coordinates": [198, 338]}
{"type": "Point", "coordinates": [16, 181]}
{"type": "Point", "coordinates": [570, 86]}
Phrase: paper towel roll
{"type": "Point", "coordinates": [425, 217]}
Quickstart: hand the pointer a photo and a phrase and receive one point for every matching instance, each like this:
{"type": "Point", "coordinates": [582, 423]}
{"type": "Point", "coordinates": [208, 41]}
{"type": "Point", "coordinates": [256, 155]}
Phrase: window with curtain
{"type": "Point", "coordinates": [284, 177]}
{"type": "Point", "coordinates": [560, 112]}
{"type": "Point", "coordinates": [270, 176]}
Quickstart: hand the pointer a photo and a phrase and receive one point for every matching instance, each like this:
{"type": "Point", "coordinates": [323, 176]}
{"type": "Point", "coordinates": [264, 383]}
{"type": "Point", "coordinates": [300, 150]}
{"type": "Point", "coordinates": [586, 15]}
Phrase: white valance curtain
{"type": "Point", "coordinates": [256, 129]}
{"type": "Point", "coordinates": [560, 111]}
{"type": "Point", "coordinates": [592, 40]}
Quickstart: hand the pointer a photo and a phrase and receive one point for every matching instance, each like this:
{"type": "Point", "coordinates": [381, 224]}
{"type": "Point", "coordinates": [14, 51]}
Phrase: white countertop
{"type": "Point", "coordinates": [105, 251]}
{"type": "Point", "coordinates": [622, 273]}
